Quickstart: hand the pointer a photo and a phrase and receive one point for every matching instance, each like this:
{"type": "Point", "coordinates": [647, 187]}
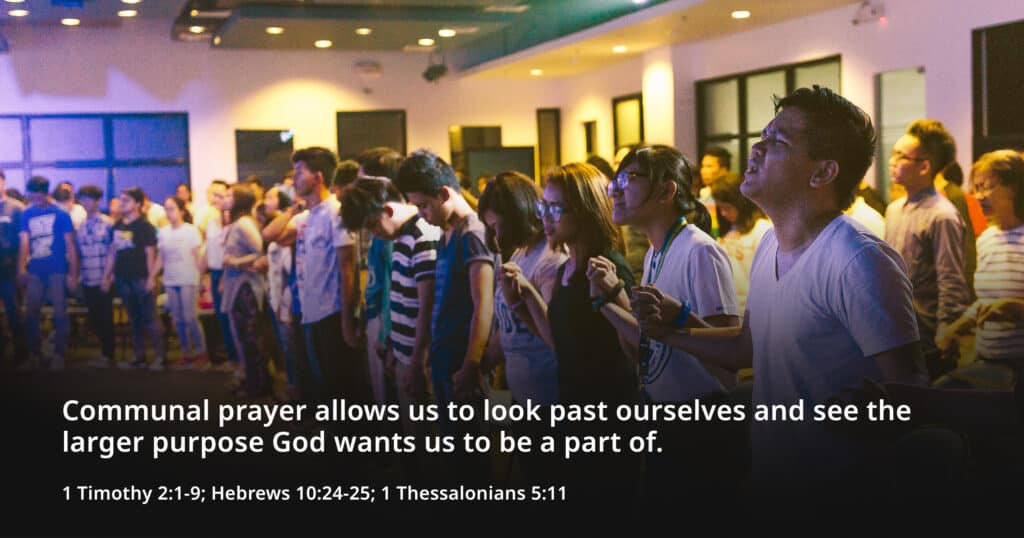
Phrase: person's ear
{"type": "Point", "coordinates": [445, 194]}
{"type": "Point", "coordinates": [927, 170]}
{"type": "Point", "coordinates": [826, 173]}
{"type": "Point", "coordinates": [669, 189]}
{"type": "Point", "coordinates": [389, 211]}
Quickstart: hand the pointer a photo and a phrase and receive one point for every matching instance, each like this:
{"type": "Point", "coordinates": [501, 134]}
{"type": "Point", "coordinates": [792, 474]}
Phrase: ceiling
{"type": "Point", "coordinates": [493, 38]}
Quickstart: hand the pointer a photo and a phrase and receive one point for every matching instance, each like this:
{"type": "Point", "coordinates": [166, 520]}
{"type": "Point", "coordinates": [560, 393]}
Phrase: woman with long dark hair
{"type": "Point", "coordinates": [243, 290]}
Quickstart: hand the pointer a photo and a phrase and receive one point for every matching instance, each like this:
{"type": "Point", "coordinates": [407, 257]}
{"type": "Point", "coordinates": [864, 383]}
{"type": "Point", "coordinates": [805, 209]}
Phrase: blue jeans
{"type": "Point", "coordinates": [141, 307]}
{"type": "Point", "coordinates": [53, 289]}
{"type": "Point", "coordinates": [222, 318]}
{"type": "Point", "coordinates": [181, 301]}
{"type": "Point", "coordinates": [9, 295]}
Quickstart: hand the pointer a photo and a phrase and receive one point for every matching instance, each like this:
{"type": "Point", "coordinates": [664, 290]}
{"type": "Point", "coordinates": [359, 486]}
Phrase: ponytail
{"type": "Point", "coordinates": [700, 217]}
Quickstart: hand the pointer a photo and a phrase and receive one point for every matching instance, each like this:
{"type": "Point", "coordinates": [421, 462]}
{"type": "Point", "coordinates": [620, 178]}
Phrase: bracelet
{"type": "Point", "coordinates": [684, 314]}
{"type": "Point", "coordinates": [599, 302]}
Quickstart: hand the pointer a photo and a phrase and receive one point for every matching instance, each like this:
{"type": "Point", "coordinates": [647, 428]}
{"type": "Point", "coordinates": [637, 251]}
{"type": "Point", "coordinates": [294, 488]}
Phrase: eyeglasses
{"type": "Point", "coordinates": [623, 179]}
{"type": "Point", "coordinates": [549, 210]}
{"type": "Point", "coordinates": [900, 156]}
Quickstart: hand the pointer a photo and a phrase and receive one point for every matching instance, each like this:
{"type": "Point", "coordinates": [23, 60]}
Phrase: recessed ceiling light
{"type": "Point", "coordinates": [127, 13]}
{"type": "Point", "coordinates": [197, 29]}
{"type": "Point", "coordinates": [322, 43]}
{"type": "Point", "coordinates": [426, 42]}
{"type": "Point", "coordinates": [275, 30]}
{"type": "Point", "coordinates": [216, 40]}
{"type": "Point", "coordinates": [193, 13]}
{"type": "Point", "coordinates": [619, 49]}
{"type": "Point", "coordinates": [70, 21]}
{"type": "Point", "coordinates": [639, 2]}
{"type": "Point", "coordinates": [131, 1]}
{"type": "Point", "coordinates": [18, 12]}
{"type": "Point", "coordinates": [15, 1]}
{"type": "Point", "coordinates": [536, 72]}
{"type": "Point", "coordinates": [364, 31]}
{"type": "Point", "coordinates": [446, 32]}
{"type": "Point", "coordinates": [741, 14]}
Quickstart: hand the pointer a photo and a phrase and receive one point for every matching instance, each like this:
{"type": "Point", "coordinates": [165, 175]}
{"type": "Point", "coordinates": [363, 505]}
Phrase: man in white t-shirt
{"type": "Point", "coordinates": [830, 303]}
{"type": "Point", "coordinates": [212, 225]}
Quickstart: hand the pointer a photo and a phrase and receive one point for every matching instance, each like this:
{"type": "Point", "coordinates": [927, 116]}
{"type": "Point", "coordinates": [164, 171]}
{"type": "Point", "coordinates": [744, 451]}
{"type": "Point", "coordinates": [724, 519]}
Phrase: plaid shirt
{"type": "Point", "coordinates": [93, 243]}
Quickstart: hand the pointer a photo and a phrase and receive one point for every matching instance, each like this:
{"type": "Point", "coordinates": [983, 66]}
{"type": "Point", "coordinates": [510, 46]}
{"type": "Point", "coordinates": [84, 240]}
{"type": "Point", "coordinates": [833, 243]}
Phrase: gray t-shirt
{"type": "Point", "coordinates": [531, 366]}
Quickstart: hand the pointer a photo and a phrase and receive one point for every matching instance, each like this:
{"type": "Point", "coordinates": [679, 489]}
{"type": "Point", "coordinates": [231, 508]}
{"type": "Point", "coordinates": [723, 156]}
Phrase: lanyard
{"type": "Point", "coordinates": [657, 263]}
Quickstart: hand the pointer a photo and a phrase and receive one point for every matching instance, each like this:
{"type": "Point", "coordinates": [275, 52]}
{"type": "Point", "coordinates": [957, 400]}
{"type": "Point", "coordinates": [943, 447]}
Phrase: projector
{"type": "Point", "coordinates": [434, 72]}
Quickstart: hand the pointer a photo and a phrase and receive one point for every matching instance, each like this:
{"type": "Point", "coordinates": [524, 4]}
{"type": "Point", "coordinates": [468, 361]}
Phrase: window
{"type": "Point", "coordinates": [732, 110]}
{"type": "Point", "coordinates": [112, 151]}
{"type": "Point", "coordinates": [265, 154]}
{"type": "Point", "coordinates": [900, 101]}
{"type": "Point", "coordinates": [358, 131]}
{"type": "Point", "coordinates": [549, 137]}
{"type": "Point", "coordinates": [998, 53]}
{"type": "Point", "coordinates": [628, 119]}
{"type": "Point", "coordinates": [463, 138]}
{"type": "Point", "coordinates": [590, 136]}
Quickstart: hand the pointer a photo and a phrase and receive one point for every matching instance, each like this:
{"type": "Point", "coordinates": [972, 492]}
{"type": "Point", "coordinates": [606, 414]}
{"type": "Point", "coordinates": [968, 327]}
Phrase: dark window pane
{"type": "Point", "coordinates": [364, 130]}
{"type": "Point", "coordinates": [153, 137]}
{"type": "Point", "coordinates": [159, 182]}
{"type": "Point", "coordinates": [10, 140]}
{"type": "Point", "coordinates": [267, 154]}
{"type": "Point", "coordinates": [66, 139]}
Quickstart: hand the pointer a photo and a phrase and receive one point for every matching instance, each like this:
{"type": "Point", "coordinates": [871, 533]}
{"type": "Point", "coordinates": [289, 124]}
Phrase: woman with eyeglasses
{"type": "Point", "coordinates": [594, 364]}
{"type": "Point", "coordinates": [651, 192]}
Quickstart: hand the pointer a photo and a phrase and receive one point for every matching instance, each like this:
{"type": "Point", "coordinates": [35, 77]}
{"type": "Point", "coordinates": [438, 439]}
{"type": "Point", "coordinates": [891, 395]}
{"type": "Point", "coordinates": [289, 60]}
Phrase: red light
{"type": "Point", "coordinates": [881, 20]}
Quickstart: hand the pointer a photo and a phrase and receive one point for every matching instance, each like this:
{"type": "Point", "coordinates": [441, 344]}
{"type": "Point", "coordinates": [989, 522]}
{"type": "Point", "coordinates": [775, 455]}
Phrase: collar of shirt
{"type": "Point", "coordinates": [922, 196]}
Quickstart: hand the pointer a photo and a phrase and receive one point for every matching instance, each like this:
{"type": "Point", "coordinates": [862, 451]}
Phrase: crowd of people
{"type": "Point", "coordinates": [759, 270]}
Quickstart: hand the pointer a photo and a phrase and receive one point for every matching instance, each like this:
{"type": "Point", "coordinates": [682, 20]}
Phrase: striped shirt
{"type": "Point", "coordinates": [413, 261]}
{"type": "Point", "coordinates": [93, 243]}
{"type": "Point", "coordinates": [1000, 259]}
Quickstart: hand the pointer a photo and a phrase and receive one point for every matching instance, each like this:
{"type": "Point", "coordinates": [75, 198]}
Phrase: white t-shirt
{"type": "Point", "coordinates": [740, 248]}
{"type": "Point", "coordinates": [214, 243]}
{"type": "Point", "coordinates": [279, 259]}
{"type": "Point", "coordinates": [861, 212]}
{"type": "Point", "coordinates": [531, 366]}
{"type": "Point", "coordinates": [697, 270]}
{"type": "Point", "coordinates": [845, 299]}
{"type": "Point", "coordinates": [175, 246]}
{"type": "Point", "coordinates": [320, 233]}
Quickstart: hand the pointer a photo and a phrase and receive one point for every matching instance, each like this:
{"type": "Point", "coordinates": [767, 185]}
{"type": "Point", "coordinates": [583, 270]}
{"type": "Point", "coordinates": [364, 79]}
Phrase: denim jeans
{"type": "Point", "coordinates": [101, 317]}
{"type": "Point", "coordinates": [141, 307]}
{"type": "Point", "coordinates": [222, 318]}
{"type": "Point", "coordinates": [53, 289]}
{"type": "Point", "coordinates": [12, 308]}
{"type": "Point", "coordinates": [181, 301]}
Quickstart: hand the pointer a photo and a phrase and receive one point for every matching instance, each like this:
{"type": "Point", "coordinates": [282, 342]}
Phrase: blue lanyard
{"type": "Point", "coordinates": [658, 262]}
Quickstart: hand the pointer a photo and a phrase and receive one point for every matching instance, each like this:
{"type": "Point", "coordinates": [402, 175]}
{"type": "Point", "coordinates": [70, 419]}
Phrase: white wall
{"type": "Point", "coordinates": [935, 34]}
{"type": "Point", "coordinates": [588, 97]}
{"type": "Point", "coordinates": [139, 69]}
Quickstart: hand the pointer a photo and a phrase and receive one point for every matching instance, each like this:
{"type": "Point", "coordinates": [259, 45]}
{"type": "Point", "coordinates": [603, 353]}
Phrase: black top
{"type": "Point", "coordinates": [130, 242]}
{"type": "Point", "coordinates": [591, 364]}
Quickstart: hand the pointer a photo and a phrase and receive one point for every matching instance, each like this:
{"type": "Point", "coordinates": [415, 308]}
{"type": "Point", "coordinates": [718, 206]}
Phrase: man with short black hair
{"type": "Point", "coordinates": [47, 268]}
{"type": "Point", "coordinates": [94, 245]}
{"type": "Point", "coordinates": [927, 230]}
{"type": "Point", "coordinates": [830, 303]}
{"type": "Point", "coordinates": [10, 221]}
{"type": "Point", "coordinates": [327, 279]}
{"type": "Point", "coordinates": [464, 290]}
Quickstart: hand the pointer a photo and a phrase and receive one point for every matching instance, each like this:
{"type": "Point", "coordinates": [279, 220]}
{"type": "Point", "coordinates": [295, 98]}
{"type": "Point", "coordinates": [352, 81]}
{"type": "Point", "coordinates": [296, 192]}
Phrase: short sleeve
{"type": "Point", "coordinates": [23, 222]}
{"type": "Point", "coordinates": [63, 223]}
{"type": "Point", "coordinates": [711, 286]}
{"type": "Point", "coordinates": [148, 236]}
{"type": "Point", "coordinates": [474, 248]}
{"type": "Point", "coordinates": [545, 274]}
{"type": "Point", "coordinates": [424, 258]}
{"type": "Point", "coordinates": [194, 240]}
{"type": "Point", "coordinates": [342, 237]}
{"type": "Point", "coordinates": [876, 303]}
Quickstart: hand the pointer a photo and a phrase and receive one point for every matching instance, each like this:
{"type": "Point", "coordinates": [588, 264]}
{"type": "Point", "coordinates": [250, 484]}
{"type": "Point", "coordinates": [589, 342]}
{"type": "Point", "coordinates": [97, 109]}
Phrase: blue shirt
{"type": "Point", "coordinates": [46, 227]}
{"type": "Point", "coordinates": [453, 303]}
{"type": "Point", "coordinates": [378, 282]}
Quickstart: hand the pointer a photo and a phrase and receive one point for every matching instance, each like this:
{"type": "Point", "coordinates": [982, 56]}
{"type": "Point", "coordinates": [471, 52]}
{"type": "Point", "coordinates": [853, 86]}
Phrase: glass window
{"type": "Point", "coordinates": [761, 89]}
{"type": "Point", "coordinates": [823, 74]}
{"type": "Point", "coordinates": [900, 101]}
{"type": "Point", "coordinates": [629, 121]}
{"type": "Point", "coordinates": [15, 179]}
{"type": "Point", "coordinates": [721, 108]}
{"type": "Point", "coordinates": [66, 139]}
{"type": "Point", "coordinates": [10, 140]}
{"type": "Point", "coordinates": [150, 137]}
{"type": "Point", "coordinates": [159, 182]}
